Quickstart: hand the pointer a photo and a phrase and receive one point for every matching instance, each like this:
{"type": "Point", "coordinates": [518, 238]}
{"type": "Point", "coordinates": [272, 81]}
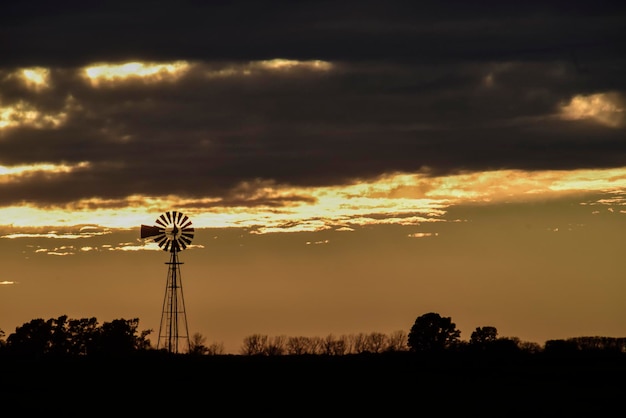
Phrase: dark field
{"type": "Point", "coordinates": [399, 384]}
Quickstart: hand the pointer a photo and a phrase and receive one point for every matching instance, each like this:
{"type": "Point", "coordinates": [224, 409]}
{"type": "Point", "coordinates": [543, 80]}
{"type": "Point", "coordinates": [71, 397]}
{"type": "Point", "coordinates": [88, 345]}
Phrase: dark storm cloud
{"type": "Point", "coordinates": [440, 87]}
{"type": "Point", "coordinates": [76, 32]}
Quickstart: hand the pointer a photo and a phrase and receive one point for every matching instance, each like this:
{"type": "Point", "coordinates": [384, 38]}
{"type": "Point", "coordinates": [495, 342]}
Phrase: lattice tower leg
{"type": "Point", "coordinates": [173, 326]}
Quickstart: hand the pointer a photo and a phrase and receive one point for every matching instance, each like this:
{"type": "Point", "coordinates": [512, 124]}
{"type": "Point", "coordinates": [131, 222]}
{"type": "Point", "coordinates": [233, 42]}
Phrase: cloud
{"type": "Point", "coordinates": [400, 199]}
{"type": "Point", "coordinates": [242, 105]}
{"type": "Point", "coordinates": [423, 234]}
{"type": "Point", "coordinates": [201, 137]}
{"type": "Point", "coordinates": [135, 70]}
{"type": "Point", "coordinates": [606, 108]}
{"type": "Point", "coordinates": [85, 232]}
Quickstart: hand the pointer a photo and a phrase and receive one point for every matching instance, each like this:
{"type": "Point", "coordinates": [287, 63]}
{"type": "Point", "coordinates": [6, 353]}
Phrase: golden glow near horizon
{"type": "Point", "coordinates": [605, 108]}
{"type": "Point", "coordinates": [401, 199]}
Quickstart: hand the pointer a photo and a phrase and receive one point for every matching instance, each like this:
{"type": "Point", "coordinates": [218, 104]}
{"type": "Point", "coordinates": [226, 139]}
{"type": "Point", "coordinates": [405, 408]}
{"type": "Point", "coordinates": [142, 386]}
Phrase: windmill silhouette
{"type": "Point", "coordinates": [173, 233]}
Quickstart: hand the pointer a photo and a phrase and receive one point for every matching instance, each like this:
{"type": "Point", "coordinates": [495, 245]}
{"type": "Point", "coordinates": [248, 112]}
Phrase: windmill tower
{"type": "Point", "coordinates": [173, 232]}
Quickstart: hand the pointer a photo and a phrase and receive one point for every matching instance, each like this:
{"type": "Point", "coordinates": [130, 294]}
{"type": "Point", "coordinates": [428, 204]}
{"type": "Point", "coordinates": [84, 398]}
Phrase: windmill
{"type": "Point", "coordinates": [173, 233]}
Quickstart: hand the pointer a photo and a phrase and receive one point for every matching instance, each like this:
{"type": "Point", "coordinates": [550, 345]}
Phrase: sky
{"type": "Point", "coordinates": [347, 166]}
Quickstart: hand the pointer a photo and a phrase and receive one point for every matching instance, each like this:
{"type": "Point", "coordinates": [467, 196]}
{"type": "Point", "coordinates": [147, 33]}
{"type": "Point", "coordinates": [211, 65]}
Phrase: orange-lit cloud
{"type": "Point", "coordinates": [36, 78]}
{"type": "Point", "coordinates": [23, 114]}
{"type": "Point", "coordinates": [54, 235]}
{"type": "Point", "coordinates": [14, 173]}
{"type": "Point", "coordinates": [27, 113]}
{"type": "Point", "coordinates": [274, 65]}
{"type": "Point", "coordinates": [317, 242]}
{"type": "Point", "coordinates": [423, 235]}
{"type": "Point", "coordinates": [159, 72]}
{"type": "Point", "coordinates": [33, 78]}
{"type": "Point", "coordinates": [153, 72]}
{"type": "Point", "coordinates": [285, 64]}
{"type": "Point", "coordinates": [605, 108]}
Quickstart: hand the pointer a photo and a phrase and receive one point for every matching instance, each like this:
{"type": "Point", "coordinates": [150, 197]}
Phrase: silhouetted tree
{"type": "Point", "coordinates": [333, 346]}
{"type": "Point", "coordinates": [505, 346]}
{"type": "Point", "coordinates": [2, 341]}
{"type": "Point", "coordinates": [560, 347]}
{"type": "Point", "coordinates": [306, 345]}
{"type": "Point", "coordinates": [484, 335]}
{"type": "Point", "coordinates": [118, 337]}
{"type": "Point", "coordinates": [298, 345]}
{"type": "Point", "coordinates": [376, 342]}
{"type": "Point", "coordinates": [586, 344]}
{"type": "Point", "coordinates": [254, 344]}
{"type": "Point", "coordinates": [60, 341]}
{"type": "Point", "coordinates": [33, 338]}
{"type": "Point", "coordinates": [276, 346]}
{"type": "Point", "coordinates": [316, 345]}
{"type": "Point", "coordinates": [433, 333]}
{"type": "Point", "coordinates": [530, 347]}
{"type": "Point", "coordinates": [196, 344]}
{"type": "Point", "coordinates": [397, 341]}
{"type": "Point", "coordinates": [597, 343]}
{"type": "Point", "coordinates": [63, 336]}
{"type": "Point", "coordinates": [215, 349]}
{"type": "Point", "coordinates": [359, 343]}
{"type": "Point", "coordinates": [83, 334]}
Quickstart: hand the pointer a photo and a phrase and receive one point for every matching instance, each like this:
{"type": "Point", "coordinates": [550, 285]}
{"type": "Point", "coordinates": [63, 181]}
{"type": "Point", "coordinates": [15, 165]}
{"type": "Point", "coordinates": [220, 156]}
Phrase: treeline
{"type": "Point", "coordinates": [67, 367]}
{"type": "Point", "coordinates": [75, 337]}
{"type": "Point", "coordinates": [431, 333]}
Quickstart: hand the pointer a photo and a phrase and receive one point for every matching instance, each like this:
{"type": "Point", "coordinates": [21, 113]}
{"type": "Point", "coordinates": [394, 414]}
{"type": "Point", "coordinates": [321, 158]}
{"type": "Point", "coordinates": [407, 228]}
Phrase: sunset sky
{"type": "Point", "coordinates": [347, 166]}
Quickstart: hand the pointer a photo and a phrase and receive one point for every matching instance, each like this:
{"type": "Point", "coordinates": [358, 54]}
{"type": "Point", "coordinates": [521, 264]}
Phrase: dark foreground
{"type": "Point", "coordinates": [386, 385]}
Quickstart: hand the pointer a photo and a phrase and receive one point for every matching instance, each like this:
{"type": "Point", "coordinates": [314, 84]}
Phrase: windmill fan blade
{"type": "Point", "coordinates": [150, 231]}
{"type": "Point", "coordinates": [161, 221]}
